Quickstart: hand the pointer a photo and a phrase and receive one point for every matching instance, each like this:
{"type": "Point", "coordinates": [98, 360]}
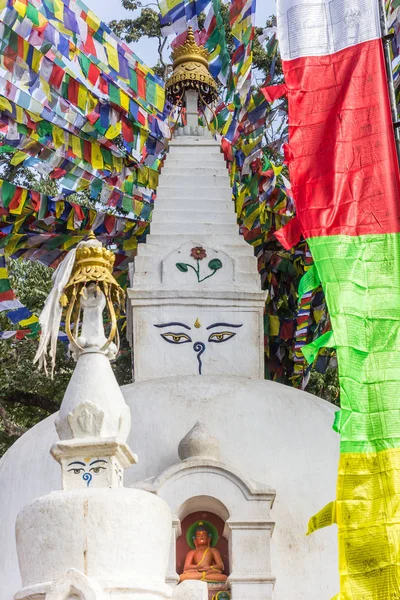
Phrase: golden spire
{"type": "Point", "coordinates": [191, 72]}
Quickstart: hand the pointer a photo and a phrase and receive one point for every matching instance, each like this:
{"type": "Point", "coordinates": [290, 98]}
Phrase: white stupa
{"type": "Point", "coordinates": [212, 436]}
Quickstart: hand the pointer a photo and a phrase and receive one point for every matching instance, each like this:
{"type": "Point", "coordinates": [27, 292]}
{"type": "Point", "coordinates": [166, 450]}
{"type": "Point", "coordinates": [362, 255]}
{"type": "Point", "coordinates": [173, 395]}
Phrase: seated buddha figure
{"type": "Point", "coordinates": [203, 562]}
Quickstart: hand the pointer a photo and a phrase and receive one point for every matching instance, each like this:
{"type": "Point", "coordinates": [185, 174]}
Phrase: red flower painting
{"type": "Point", "coordinates": [198, 253]}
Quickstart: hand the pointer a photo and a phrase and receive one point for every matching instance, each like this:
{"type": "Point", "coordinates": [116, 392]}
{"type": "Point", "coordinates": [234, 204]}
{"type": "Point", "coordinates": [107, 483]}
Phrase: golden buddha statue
{"type": "Point", "coordinates": [203, 562]}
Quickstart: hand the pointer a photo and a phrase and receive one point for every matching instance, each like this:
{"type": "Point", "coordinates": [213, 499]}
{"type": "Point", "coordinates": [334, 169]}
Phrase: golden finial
{"type": "Point", "coordinates": [191, 72]}
{"type": "Point", "coordinates": [197, 323]}
{"type": "Point", "coordinates": [93, 265]}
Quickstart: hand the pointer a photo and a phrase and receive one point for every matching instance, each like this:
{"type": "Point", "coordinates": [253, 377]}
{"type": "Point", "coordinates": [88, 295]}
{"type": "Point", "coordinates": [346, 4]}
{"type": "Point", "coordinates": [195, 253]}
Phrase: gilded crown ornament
{"type": "Point", "coordinates": [93, 265]}
{"type": "Point", "coordinates": [82, 282]}
{"type": "Point", "coordinates": [191, 72]}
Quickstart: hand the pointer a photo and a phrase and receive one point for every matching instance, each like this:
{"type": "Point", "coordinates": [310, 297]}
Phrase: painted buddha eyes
{"type": "Point", "coordinates": [87, 470]}
{"type": "Point", "coordinates": [183, 338]}
{"type": "Point", "coordinates": [216, 337]}
{"type": "Point", "coordinates": [221, 336]}
{"type": "Point", "coordinates": [176, 338]}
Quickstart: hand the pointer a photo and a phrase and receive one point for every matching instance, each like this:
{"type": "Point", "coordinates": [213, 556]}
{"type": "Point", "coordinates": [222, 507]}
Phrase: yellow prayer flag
{"type": "Point", "coordinates": [240, 198]}
{"type": "Point", "coordinates": [18, 158]}
{"type": "Point", "coordinates": [92, 102]}
{"type": "Point", "coordinates": [20, 220]}
{"type": "Point", "coordinates": [20, 7]}
{"type": "Point", "coordinates": [167, 5]}
{"type": "Point", "coordinates": [72, 240]}
{"type": "Point", "coordinates": [117, 162]}
{"type": "Point", "coordinates": [92, 20]}
{"type": "Point", "coordinates": [27, 322]}
{"type": "Point", "coordinates": [137, 207]}
{"type": "Point", "coordinates": [35, 118]}
{"type": "Point", "coordinates": [274, 325]}
{"type": "Point", "coordinates": [3, 273]}
{"type": "Point", "coordinates": [70, 221]}
{"type": "Point", "coordinates": [36, 58]}
{"type": "Point", "coordinates": [76, 146]}
{"type": "Point", "coordinates": [143, 137]}
{"type": "Point", "coordinates": [82, 97]}
{"type": "Point", "coordinates": [5, 104]}
{"type": "Point", "coordinates": [97, 157]}
{"type": "Point", "coordinates": [153, 179]}
{"type": "Point", "coordinates": [130, 244]}
{"type": "Point", "coordinates": [58, 136]}
{"type": "Point", "coordinates": [19, 114]}
{"type": "Point", "coordinates": [91, 217]}
{"type": "Point", "coordinates": [160, 98]}
{"type": "Point", "coordinates": [112, 55]}
{"type": "Point", "coordinates": [249, 221]}
{"type": "Point", "coordinates": [60, 205]}
{"type": "Point", "coordinates": [124, 100]}
{"type": "Point", "coordinates": [323, 518]}
{"type": "Point", "coordinates": [13, 243]}
{"type": "Point", "coordinates": [58, 9]}
{"type": "Point", "coordinates": [113, 131]}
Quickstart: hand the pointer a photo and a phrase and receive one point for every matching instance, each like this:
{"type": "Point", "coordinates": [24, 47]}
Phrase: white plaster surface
{"type": "Point", "coordinates": [120, 538]}
{"type": "Point", "coordinates": [191, 590]}
{"type": "Point", "coordinates": [273, 434]}
{"type": "Point", "coordinates": [195, 210]}
{"type": "Point", "coordinates": [93, 406]}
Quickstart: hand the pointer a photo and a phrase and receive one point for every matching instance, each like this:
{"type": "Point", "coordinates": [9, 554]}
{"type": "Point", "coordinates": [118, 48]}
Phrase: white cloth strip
{"type": "Point", "coordinates": [322, 27]}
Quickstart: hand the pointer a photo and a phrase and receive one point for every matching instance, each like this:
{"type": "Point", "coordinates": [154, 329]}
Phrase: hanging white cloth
{"type": "Point", "coordinates": [50, 317]}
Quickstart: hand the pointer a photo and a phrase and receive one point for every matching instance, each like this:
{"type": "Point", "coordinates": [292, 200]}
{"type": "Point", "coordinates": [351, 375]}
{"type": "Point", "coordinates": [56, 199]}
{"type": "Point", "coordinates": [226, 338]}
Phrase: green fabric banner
{"type": "Point", "coordinates": [361, 279]}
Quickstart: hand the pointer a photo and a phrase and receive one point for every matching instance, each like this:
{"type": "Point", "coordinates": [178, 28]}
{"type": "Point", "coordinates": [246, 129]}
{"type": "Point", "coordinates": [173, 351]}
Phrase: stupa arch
{"type": "Point", "coordinates": [226, 492]}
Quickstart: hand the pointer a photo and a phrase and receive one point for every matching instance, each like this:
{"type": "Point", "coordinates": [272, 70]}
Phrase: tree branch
{"type": "Point", "coordinates": [30, 399]}
{"type": "Point", "coordinates": [10, 428]}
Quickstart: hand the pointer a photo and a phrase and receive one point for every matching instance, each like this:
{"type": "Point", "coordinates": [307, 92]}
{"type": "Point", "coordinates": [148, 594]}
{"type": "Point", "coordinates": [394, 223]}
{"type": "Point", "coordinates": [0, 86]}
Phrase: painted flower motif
{"type": "Point", "coordinates": [198, 253]}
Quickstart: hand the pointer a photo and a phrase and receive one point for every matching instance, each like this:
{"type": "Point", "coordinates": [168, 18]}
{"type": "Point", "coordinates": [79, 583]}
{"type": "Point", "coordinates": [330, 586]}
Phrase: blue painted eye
{"type": "Point", "coordinates": [76, 471]}
{"type": "Point", "coordinates": [97, 469]}
{"type": "Point", "coordinates": [176, 338]}
{"type": "Point", "coordinates": [221, 336]}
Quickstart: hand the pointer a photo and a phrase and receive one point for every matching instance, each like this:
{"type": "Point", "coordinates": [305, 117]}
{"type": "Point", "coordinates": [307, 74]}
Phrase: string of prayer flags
{"type": "Point", "coordinates": [213, 37]}
{"type": "Point", "coordinates": [76, 104]}
{"type": "Point", "coordinates": [242, 21]}
{"type": "Point", "coordinates": [347, 192]}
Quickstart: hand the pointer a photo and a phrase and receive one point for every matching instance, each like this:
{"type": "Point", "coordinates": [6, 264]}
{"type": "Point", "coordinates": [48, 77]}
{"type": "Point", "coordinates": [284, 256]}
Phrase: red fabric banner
{"type": "Point", "coordinates": [343, 164]}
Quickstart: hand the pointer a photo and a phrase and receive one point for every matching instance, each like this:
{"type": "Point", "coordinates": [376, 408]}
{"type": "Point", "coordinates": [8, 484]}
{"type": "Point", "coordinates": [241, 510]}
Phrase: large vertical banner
{"type": "Point", "coordinates": [345, 181]}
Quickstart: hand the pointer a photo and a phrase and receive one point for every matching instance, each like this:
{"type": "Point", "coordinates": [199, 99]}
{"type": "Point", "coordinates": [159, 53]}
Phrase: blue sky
{"type": "Point", "coordinates": [145, 49]}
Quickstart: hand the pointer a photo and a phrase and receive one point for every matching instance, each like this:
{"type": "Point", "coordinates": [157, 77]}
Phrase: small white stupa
{"type": "Point", "coordinates": [95, 537]}
{"type": "Point", "coordinates": [242, 463]}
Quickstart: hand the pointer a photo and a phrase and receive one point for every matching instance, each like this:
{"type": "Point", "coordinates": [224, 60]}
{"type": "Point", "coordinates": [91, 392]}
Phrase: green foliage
{"type": "Point", "coordinates": [325, 385]}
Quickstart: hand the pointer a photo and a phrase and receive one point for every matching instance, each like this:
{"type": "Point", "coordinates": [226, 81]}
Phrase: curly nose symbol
{"type": "Point", "coordinates": [199, 347]}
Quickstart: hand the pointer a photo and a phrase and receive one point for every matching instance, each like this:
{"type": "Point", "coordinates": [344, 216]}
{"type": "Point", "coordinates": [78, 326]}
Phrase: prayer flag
{"type": "Point", "coordinates": [345, 182]}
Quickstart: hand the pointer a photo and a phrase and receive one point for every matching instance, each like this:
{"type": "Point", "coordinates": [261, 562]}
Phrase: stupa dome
{"type": "Point", "coordinates": [270, 433]}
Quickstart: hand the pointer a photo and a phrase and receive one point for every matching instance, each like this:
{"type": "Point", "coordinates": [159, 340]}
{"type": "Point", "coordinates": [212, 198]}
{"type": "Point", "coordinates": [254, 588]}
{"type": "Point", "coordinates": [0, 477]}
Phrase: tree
{"type": "Point", "coordinates": [325, 385]}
